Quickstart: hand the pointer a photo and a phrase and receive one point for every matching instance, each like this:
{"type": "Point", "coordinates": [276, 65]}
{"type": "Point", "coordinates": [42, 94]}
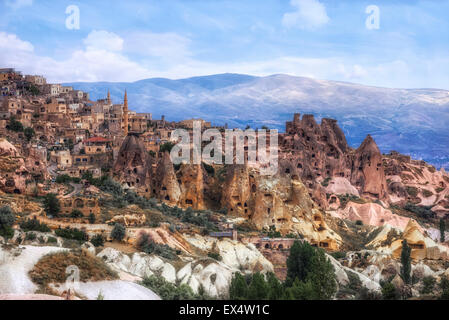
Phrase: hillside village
{"type": "Point", "coordinates": [93, 180]}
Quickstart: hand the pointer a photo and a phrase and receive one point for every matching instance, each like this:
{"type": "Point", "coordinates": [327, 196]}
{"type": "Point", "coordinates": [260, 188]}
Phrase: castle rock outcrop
{"type": "Point", "coordinates": [319, 152]}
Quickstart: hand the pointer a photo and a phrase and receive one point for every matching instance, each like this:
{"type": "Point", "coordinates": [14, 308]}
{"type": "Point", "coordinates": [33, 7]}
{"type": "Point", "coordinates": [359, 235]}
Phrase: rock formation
{"type": "Point", "coordinates": [371, 214]}
{"type": "Point", "coordinates": [390, 241]}
{"type": "Point", "coordinates": [278, 201]}
{"type": "Point", "coordinates": [133, 165]}
{"type": "Point", "coordinates": [319, 152]}
{"type": "Point", "coordinates": [165, 184]}
{"type": "Point", "coordinates": [13, 173]}
{"type": "Point", "coordinates": [367, 171]}
{"type": "Point", "coordinates": [416, 182]}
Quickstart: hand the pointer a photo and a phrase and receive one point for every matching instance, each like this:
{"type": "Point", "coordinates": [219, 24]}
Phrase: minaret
{"type": "Point", "coordinates": [109, 97]}
{"type": "Point", "coordinates": [125, 115]}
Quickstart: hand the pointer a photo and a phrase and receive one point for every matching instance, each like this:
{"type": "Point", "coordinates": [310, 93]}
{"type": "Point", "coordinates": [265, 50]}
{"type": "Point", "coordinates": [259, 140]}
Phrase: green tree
{"type": "Point", "coordinates": [442, 229]}
{"type": "Point", "coordinates": [7, 219]}
{"type": "Point", "coordinates": [310, 275]}
{"type": "Point", "coordinates": [299, 262]}
{"type": "Point", "coordinates": [29, 133]}
{"type": "Point", "coordinates": [300, 291]}
{"type": "Point", "coordinates": [92, 218]}
{"type": "Point", "coordinates": [51, 205]}
{"type": "Point", "coordinates": [14, 125]}
{"type": "Point", "coordinates": [258, 288]}
{"type": "Point", "coordinates": [389, 292]}
{"type": "Point", "coordinates": [322, 277]}
{"type": "Point", "coordinates": [276, 291]}
{"type": "Point", "coordinates": [406, 262]}
{"type": "Point", "coordinates": [118, 232]}
{"type": "Point", "coordinates": [166, 147]}
{"type": "Point", "coordinates": [34, 90]}
{"type": "Point", "coordinates": [238, 289]}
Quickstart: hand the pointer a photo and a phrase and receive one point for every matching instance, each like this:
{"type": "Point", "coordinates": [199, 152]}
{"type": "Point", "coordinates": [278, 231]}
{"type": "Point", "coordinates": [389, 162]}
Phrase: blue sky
{"type": "Point", "coordinates": [324, 39]}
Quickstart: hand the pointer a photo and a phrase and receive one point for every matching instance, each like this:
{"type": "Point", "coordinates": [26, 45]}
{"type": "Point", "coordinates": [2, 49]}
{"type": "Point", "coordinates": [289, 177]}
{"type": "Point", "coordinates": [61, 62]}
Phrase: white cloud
{"type": "Point", "coordinates": [97, 62]}
{"type": "Point", "coordinates": [159, 58]}
{"type": "Point", "coordinates": [17, 4]}
{"type": "Point", "coordinates": [12, 42]}
{"type": "Point", "coordinates": [103, 40]}
{"type": "Point", "coordinates": [309, 14]}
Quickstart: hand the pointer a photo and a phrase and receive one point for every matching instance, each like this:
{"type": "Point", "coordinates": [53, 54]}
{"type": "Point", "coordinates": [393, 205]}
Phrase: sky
{"type": "Point", "coordinates": [405, 46]}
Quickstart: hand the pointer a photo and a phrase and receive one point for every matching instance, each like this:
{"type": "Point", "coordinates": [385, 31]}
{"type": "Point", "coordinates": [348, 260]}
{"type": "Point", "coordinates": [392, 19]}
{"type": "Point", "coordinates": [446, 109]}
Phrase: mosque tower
{"type": "Point", "coordinates": [125, 115]}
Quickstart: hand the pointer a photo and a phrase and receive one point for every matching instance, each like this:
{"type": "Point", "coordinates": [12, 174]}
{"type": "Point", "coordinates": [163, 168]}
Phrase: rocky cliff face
{"type": "Point", "coordinates": [165, 184]}
{"type": "Point", "coordinates": [133, 164]}
{"type": "Point", "coordinates": [183, 187]}
{"type": "Point", "coordinates": [278, 201]}
{"type": "Point", "coordinates": [367, 172]}
{"type": "Point", "coordinates": [416, 182]}
{"type": "Point", "coordinates": [13, 172]}
{"type": "Point", "coordinates": [319, 152]}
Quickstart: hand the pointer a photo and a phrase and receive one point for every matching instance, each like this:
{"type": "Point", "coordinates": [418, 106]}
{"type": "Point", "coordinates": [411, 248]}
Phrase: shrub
{"type": "Point", "coordinates": [52, 240]}
{"type": "Point", "coordinates": [110, 186]}
{"type": "Point", "coordinates": [118, 232]}
{"type": "Point", "coordinates": [389, 292]}
{"type": "Point", "coordinates": [366, 294]}
{"type": "Point", "coordinates": [428, 285]}
{"type": "Point", "coordinates": [34, 225]}
{"type": "Point", "coordinates": [214, 255]}
{"type": "Point", "coordinates": [76, 213]}
{"type": "Point", "coordinates": [325, 182]}
{"type": "Point", "coordinates": [444, 286]}
{"type": "Point", "coordinates": [91, 218]}
{"type": "Point", "coordinates": [412, 191]}
{"type": "Point", "coordinates": [146, 244]}
{"type": "Point", "coordinates": [7, 219]}
{"type": "Point", "coordinates": [14, 125]}
{"type": "Point", "coordinates": [426, 193]}
{"type": "Point", "coordinates": [63, 178]}
{"type": "Point", "coordinates": [273, 233]}
{"type": "Point", "coordinates": [422, 211]}
{"type": "Point", "coordinates": [97, 240]}
{"type": "Point", "coordinates": [28, 133]}
{"type": "Point", "coordinates": [167, 290]}
{"type": "Point", "coordinates": [354, 281]}
{"type": "Point", "coordinates": [72, 234]}
{"type": "Point", "coordinates": [30, 236]}
{"type": "Point", "coordinates": [166, 147]}
{"type": "Point", "coordinates": [51, 205]}
{"type": "Point", "coordinates": [359, 223]}
{"type": "Point", "coordinates": [338, 255]}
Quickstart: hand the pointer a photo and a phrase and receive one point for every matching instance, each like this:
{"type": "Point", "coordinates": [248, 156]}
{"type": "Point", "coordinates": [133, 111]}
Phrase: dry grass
{"type": "Point", "coordinates": [52, 268]}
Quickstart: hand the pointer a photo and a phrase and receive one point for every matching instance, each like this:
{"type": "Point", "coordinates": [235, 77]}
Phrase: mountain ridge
{"type": "Point", "coordinates": [411, 121]}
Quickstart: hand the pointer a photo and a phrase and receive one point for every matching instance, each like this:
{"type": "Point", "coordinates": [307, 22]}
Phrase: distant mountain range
{"type": "Point", "coordinates": [411, 121]}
